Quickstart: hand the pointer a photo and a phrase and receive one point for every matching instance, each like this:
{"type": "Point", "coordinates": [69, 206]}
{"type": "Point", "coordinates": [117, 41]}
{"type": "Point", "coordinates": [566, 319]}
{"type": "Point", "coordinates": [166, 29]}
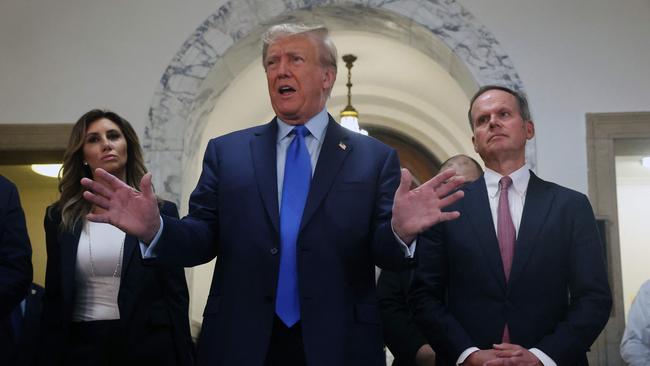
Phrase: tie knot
{"type": "Point", "coordinates": [505, 182]}
{"type": "Point", "coordinates": [301, 130]}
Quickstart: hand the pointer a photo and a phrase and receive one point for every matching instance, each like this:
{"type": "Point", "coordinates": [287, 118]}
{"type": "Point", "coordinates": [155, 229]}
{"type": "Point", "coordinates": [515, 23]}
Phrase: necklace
{"type": "Point", "coordinates": [92, 261]}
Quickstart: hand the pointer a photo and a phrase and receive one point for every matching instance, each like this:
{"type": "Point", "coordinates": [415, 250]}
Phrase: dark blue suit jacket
{"type": "Point", "coordinates": [15, 261]}
{"type": "Point", "coordinates": [345, 231]}
{"type": "Point", "coordinates": [153, 301]}
{"type": "Point", "coordinates": [557, 298]}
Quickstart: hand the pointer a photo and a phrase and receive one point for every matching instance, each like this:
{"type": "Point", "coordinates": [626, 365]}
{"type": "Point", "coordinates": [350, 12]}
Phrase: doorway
{"type": "Point", "coordinates": [612, 135]}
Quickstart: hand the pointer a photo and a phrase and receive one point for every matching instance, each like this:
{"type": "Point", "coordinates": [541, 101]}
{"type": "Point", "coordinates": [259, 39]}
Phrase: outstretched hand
{"type": "Point", "coordinates": [134, 212]}
{"type": "Point", "coordinates": [416, 210]}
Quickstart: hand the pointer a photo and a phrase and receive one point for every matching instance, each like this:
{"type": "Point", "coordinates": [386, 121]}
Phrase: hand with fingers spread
{"type": "Point", "coordinates": [133, 212]}
{"type": "Point", "coordinates": [513, 355]}
{"type": "Point", "coordinates": [418, 209]}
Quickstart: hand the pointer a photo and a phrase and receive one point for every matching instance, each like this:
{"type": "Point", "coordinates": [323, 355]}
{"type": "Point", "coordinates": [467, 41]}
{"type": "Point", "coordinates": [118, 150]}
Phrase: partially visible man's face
{"type": "Point", "coordinates": [297, 81]}
{"type": "Point", "coordinates": [464, 168]}
{"type": "Point", "coordinates": [499, 130]}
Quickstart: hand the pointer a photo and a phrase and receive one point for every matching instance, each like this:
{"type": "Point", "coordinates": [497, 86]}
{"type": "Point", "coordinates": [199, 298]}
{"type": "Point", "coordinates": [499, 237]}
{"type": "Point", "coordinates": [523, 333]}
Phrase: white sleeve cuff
{"type": "Point", "coordinates": [543, 357]}
{"type": "Point", "coordinates": [409, 250]}
{"type": "Point", "coordinates": [149, 251]}
{"type": "Point", "coordinates": [463, 356]}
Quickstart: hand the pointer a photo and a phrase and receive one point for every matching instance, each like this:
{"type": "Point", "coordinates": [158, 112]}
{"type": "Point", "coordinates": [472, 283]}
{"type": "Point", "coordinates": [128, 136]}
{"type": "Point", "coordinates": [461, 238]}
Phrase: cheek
{"type": "Point", "coordinates": [87, 153]}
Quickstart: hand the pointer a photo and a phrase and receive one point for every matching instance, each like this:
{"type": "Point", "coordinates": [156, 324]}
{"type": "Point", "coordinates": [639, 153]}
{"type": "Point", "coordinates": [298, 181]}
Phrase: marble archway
{"type": "Point", "coordinates": [444, 30]}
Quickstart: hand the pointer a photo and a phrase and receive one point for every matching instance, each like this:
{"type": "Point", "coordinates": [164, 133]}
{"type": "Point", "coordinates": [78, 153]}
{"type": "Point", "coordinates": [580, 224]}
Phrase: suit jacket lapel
{"type": "Point", "coordinates": [539, 198]}
{"type": "Point", "coordinates": [263, 150]}
{"type": "Point", "coordinates": [477, 210]}
{"type": "Point", "coordinates": [130, 244]}
{"type": "Point", "coordinates": [69, 245]}
{"type": "Point", "coordinates": [329, 164]}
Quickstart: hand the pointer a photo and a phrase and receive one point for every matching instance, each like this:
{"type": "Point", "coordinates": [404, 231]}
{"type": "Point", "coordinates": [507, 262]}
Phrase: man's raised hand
{"type": "Point", "coordinates": [418, 209]}
{"type": "Point", "coordinates": [132, 211]}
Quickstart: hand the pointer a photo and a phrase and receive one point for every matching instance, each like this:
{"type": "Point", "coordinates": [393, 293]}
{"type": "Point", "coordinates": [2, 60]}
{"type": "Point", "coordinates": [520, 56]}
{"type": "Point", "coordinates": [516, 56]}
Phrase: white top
{"type": "Point", "coordinates": [98, 267]}
{"type": "Point", "coordinates": [635, 346]}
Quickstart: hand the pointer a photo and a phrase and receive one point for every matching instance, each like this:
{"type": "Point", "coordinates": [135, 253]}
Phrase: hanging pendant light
{"type": "Point", "coordinates": [349, 115]}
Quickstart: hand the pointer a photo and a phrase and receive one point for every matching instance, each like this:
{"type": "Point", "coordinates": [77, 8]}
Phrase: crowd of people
{"type": "Point", "coordinates": [494, 267]}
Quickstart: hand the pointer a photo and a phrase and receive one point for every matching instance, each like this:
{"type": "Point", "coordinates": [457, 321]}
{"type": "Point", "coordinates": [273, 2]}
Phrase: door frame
{"type": "Point", "coordinates": [602, 131]}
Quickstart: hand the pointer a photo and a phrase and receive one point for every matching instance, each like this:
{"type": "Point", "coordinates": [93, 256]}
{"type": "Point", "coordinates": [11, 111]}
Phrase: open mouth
{"type": "Point", "coordinates": [286, 90]}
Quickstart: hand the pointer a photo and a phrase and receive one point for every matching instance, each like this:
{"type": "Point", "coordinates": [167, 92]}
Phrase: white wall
{"type": "Point", "coordinates": [574, 57]}
{"type": "Point", "coordinates": [633, 199]}
{"type": "Point", "coordinates": [61, 58]}
{"type": "Point", "coordinates": [58, 59]}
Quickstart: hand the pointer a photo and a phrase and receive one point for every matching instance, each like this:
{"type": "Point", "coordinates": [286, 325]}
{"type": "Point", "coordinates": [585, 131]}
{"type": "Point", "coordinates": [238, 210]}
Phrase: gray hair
{"type": "Point", "coordinates": [319, 33]}
{"type": "Point", "coordinates": [524, 111]}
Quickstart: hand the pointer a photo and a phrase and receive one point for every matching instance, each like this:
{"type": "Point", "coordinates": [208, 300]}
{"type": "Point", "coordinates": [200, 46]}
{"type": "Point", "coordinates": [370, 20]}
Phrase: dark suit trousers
{"type": "Point", "coordinates": [286, 348]}
{"type": "Point", "coordinates": [95, 343]}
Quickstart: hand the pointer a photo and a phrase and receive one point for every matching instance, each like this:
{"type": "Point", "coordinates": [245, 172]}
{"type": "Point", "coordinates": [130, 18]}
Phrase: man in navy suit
{"type": "Point", "coordinates": [15, 263]}
{"type": "Point", "coordinates": [520, 278]}
{"type": "Point", "coordinates": [298, 212]}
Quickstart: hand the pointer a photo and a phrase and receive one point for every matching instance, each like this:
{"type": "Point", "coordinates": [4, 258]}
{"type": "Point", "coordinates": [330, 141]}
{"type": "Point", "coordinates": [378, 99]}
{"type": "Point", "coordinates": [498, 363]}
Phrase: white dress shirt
{"type": "Point", "coordinates": [635, 346]}
{"type": "Point", "coordinates": [516, 200]}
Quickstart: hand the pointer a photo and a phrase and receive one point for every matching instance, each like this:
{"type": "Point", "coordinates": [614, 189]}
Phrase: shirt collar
{"type": "Point", "coordinates": [316, 126]}
{"type": "Point", "coordinates": [520, 178]}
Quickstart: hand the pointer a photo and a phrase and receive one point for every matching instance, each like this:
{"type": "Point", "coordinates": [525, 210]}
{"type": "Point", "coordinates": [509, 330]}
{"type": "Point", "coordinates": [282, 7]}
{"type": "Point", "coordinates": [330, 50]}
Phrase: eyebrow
{"type": "Point", "coordinates": [97, 133]}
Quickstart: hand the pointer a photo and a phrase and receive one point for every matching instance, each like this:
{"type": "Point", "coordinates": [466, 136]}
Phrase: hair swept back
{"type": "Point", "coordinates": [522, 102]}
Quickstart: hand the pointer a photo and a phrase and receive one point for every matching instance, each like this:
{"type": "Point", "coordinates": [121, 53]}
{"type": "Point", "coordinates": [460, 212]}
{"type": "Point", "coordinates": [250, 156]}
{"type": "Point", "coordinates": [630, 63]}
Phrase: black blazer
{"type": "Point", "coordinates": [557, 298]}
{"type": "Point", "coordinates": [153, 301]}
{"type": "Point", "coordinates": [15, 262]}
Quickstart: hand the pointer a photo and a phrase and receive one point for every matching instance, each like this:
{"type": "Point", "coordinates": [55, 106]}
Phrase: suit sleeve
{"type": "Point", "coordinates": [400, 332]}
{"type": "Point", "coordinates": [15, 251]}
{"type": "Point", "coordinates": [441, 329]}
{"type": "Point", "coordinates": [177, 299]}
{"type": "Point", "coordinates": [199, 230]}
{"type": "Point", "coordinates": [590, 297]}
{"type": "Point", "coordinates": [387, 250]}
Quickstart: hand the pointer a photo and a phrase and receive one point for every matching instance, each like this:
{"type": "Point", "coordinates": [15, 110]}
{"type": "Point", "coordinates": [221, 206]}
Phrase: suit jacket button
{"type": "Point", "coordinates": [274, 250]}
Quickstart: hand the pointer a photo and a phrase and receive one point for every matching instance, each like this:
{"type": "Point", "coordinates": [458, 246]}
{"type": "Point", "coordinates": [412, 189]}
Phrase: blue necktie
{"type": "Point", "coordinates": [297, 177]}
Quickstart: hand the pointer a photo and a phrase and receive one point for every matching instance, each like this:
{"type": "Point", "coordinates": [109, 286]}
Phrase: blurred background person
{"type": "Point", "coordinates": [635, 346]}
{"type": "Point", "coordinates": [102, 304]}
{"type": "Point", "coordinates": [401, 335]}
{"type": "Point", "coordinates": [15, 266]}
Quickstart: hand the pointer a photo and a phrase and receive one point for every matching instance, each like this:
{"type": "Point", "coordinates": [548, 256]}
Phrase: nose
{"type": "Point", "coordinates": [283, 68]}
{"type": "Point", "coordinates": [106, 144]}
{"type": "Point", "coordinates": [494, 120]}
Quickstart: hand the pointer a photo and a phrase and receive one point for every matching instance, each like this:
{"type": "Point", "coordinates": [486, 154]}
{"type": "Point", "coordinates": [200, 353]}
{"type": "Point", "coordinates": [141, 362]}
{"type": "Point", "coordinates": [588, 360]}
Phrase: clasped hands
{"type": "Point", "coordinates": [504, 354]}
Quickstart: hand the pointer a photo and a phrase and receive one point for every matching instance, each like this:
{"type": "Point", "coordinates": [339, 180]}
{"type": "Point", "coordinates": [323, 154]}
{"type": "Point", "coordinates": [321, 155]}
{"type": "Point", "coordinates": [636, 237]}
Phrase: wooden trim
{"type": "Point", "coordinates": [33, 143]}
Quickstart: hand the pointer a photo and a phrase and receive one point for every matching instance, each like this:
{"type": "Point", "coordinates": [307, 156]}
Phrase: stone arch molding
{"type": "Point", "coordinates": [208, 61]}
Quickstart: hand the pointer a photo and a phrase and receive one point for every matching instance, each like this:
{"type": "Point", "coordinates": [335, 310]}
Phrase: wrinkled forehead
{"type": "Point", "coordinates": [494, 98]}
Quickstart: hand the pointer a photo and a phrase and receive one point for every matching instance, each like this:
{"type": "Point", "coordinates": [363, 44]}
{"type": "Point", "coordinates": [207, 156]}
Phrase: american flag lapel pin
{"type": "Point", "coordinates": [342, 145]}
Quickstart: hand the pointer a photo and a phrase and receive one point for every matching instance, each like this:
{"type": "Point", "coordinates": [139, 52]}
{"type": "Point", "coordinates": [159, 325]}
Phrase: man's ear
{"type": "Point", "coordinates": [530, 130]}
{"type": "Point", "coordinates": [329, 77]}
{"type": "Point", "coordinates": [474, 143]}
